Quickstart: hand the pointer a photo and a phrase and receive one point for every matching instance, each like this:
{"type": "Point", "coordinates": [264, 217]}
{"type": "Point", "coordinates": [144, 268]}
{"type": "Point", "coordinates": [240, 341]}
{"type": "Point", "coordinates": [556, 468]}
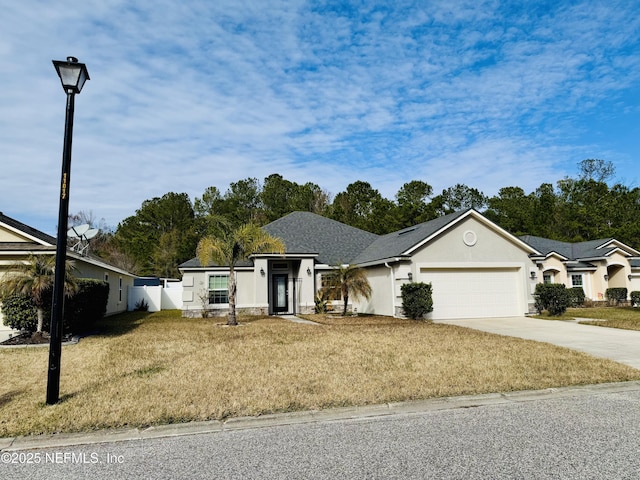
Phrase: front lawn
{"type": "Point", "coordinates": [154, 368]}
{"type": "Point", "coordinates": [627, 318]}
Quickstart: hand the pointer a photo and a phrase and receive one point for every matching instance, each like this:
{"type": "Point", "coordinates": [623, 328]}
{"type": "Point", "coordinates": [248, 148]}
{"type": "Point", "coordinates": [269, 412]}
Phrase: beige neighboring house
{"type": "Point", "coordinates": [18, 241]}
{"type": "Point", "coordinates": [476, 268]}
{"type": "Point", "coordinates": [594, 265]}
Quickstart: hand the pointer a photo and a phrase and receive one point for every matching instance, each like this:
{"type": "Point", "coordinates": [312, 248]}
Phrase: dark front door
{"type": "Point", "coordinates": [280, 293]}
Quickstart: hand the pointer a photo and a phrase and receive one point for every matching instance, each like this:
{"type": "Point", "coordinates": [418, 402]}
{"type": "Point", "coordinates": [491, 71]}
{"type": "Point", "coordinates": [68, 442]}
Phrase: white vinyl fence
{"type": "Point", "coordinates": [157, 297]}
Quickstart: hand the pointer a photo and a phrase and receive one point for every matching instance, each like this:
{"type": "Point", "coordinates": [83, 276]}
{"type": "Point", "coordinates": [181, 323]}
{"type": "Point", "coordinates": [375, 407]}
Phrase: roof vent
{"type": "Point", "coordinates": [407, 230]}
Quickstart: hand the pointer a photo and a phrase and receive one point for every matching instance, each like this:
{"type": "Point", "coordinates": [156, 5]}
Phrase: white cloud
{"type": "Point", "coordinates": [184, 95]}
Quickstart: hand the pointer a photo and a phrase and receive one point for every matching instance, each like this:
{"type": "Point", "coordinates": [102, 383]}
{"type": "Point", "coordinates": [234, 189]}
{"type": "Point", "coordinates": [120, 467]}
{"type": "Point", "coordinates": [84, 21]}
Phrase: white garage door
{"type": "Point", "coordinates": [474, 293]}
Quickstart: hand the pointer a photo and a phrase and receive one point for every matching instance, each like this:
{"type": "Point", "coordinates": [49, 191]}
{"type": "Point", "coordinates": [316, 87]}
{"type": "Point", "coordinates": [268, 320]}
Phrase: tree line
{"type": "Point", "coordinates": [165, 231]}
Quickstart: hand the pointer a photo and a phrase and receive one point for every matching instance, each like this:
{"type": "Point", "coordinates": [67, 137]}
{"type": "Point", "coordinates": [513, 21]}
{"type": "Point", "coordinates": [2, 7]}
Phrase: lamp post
{"type": "Point", "coordinates": [72, 75]}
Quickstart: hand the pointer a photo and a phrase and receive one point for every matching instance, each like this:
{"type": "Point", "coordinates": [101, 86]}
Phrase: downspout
{"type": "Point", "coordinates": [393, 289]}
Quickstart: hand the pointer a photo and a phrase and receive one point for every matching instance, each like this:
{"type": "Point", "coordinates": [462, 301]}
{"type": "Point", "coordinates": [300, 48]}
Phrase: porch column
{"type": "Point", "coordinates": [306, 286]}
{"type": "Point", "coordinates": [261, 284]}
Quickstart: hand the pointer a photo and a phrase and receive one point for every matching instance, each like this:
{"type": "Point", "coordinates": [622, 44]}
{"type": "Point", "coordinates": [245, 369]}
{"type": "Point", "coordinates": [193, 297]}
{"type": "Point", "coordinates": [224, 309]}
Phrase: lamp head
{"type": "Point", "coordinates": [72, 74]}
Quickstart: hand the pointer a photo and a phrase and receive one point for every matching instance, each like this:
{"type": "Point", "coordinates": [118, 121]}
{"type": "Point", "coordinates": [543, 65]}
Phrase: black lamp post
{"type": "Point", "coordinates": [72, 75]}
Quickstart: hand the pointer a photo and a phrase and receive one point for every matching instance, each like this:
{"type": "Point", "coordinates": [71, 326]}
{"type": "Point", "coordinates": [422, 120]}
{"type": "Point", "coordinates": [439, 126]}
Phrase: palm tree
{"type": "Point", "coordinates": [35, 279]}
{"type": "Point", "coordinates": [234, 247]}
{"type": "Point", "coordinates": [349, 279]}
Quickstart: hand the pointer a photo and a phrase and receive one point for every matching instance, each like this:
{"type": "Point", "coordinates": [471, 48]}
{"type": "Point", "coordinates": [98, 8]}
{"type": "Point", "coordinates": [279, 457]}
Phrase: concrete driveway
{"type": "Point", "coordinates": [613, 343]}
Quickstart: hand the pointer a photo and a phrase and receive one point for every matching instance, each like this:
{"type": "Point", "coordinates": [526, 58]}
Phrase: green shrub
{"type": "Point", "coordinates": [20, 313]}
{"type": "Point", "coordinates": [417, 299]}
{"type": "Point", "coordinates": [320, 301]}
{"type": "Point", "coordinates": [141, 306]}
{"type": "Point", "coordinates": [80, 311]}
{"type": "Point", "coordinates": [616, 295]}
{"type": "Point", "coordinates": [552, 297]}
{"type": "Point", "coordinates": [88, 305]}
{"type": "Point", "coordinates": [576, 296]}
{"type": "Point", "coordinates": [635, 298]}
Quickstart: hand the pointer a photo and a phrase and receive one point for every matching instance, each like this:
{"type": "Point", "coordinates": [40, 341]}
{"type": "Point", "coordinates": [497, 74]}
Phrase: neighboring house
{"type": "Point", "coordinates": [477, 269]}
{"type": "Point", "coordinates": [18, 241]}
{"type": "Point", "coordinates": [594, 265]}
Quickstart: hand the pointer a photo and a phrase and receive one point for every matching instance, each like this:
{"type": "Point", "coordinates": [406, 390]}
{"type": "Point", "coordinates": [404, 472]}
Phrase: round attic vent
{"type": "Point", "coordinates": [469, 238]}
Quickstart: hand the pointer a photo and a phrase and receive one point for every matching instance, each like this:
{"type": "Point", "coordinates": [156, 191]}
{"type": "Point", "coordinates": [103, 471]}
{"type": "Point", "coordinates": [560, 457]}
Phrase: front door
{"type": "Point", "coordinates": [280, 293]}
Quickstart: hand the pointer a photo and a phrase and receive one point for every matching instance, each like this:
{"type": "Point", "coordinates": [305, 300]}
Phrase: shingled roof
{"type": "Point", "coordinates": [571, 251]}
{"type": "Point", "coordinates": [397, 243]}
{"type": "Point", "coordinates": [334, 242]}
{"type": "Point", "coordinates": [26, 229]}
{"type": "Point", "coordinates": [306, 233]}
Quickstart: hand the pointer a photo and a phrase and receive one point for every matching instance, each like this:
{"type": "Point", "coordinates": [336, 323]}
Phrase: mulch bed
{"type": "Point", "coordinates": [30, 339]}
{"type": "Point", "coordinates": [27, 339]}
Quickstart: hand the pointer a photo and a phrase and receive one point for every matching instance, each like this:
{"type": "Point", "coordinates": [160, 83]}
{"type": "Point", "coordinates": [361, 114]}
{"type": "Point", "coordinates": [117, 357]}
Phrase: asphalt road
{"type": "Point", "coordinates": [573, 434]}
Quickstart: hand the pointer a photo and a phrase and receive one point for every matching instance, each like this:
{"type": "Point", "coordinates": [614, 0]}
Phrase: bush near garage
{"type": "Point", "coordinates": [576, 297]}
{"type": "Point", "coordinates": [417, 299]}
{"type": "Point", "coordinates": [635, 298]}
{"type": "Point", "coordinates": [616, 295]}
{"type": "Point", "coordinates": [552, 297]}
{"type": "Point", "coordinates": [88, 305]}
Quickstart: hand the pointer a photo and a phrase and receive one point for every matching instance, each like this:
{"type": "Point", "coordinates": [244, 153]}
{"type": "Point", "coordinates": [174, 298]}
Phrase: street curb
{"type": "Point", "coordinates": [9, 444]}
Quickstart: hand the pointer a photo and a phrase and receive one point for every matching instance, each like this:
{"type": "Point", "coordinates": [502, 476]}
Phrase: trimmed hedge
{"type": "Point", "coordinates": [20, 313]}
{"type": "Point", "coordinates": [552, 297]}
{"type": "Point", "coordinates": [635, 298]}
{"type": "Point", "coordinates": [81, 311]}
{"type": "Point", "coordinates": [87, 306]}
{"type": "Point", "coordinates": [616, 295]}
{"type": "Point", "coordinates": [417, 299]}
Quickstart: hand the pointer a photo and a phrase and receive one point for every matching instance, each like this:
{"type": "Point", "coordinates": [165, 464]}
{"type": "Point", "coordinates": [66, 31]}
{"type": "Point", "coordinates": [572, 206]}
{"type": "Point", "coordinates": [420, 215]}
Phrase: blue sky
{"type": "Point", "coordinates": [185, 95]}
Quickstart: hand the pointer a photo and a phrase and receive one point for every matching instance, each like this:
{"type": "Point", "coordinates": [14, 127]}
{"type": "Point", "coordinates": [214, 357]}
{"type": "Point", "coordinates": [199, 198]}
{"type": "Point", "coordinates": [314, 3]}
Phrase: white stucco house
{"type": "Point", "coordinates": [476, 268]}
{"type": "Point", "coordinates": [18, 241]}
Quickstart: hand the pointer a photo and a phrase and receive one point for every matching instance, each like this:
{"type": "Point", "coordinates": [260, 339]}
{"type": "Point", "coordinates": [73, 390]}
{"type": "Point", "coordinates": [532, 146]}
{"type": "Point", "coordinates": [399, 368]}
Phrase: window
{"type": "Point", "coordinates": [333, 293]}
{"type": "Point", "coordinates": [547, 278]}
{"type": "Point", "coordinates": [120, 289]}
{"type": "Point", "coordinates": [576, 280]}
{"type": "Point", "coordinates": [218, 289]}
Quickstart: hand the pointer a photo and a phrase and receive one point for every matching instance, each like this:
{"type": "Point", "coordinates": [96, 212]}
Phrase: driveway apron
{"type": "Point", "coordinates": [613, 343]}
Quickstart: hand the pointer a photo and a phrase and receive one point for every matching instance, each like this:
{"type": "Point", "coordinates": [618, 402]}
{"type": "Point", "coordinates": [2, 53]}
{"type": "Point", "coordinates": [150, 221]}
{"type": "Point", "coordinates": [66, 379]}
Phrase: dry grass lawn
{"type": "Point", "coordinates": [627, 318]}
{"type": "Point", "coordinates": [157, 368]}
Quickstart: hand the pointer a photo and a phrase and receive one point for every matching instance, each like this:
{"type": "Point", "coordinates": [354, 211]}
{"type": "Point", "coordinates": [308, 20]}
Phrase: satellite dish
{"type": "Point", "coordinates": [80, 229]}
{"type": "Point", "coordinates": [82, 233]}
{"type": "Point", "coordinates": [92, 232]}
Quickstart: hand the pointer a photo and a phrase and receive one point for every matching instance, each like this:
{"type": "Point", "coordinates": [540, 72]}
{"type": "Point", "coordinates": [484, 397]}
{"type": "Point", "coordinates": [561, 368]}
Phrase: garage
{"type": "Point", "coordinates": [474, 292]}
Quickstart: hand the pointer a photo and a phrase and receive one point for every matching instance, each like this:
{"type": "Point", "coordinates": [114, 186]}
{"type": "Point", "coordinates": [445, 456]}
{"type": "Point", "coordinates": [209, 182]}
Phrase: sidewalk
{"type": "Point", "coordinates": [293, 318]}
